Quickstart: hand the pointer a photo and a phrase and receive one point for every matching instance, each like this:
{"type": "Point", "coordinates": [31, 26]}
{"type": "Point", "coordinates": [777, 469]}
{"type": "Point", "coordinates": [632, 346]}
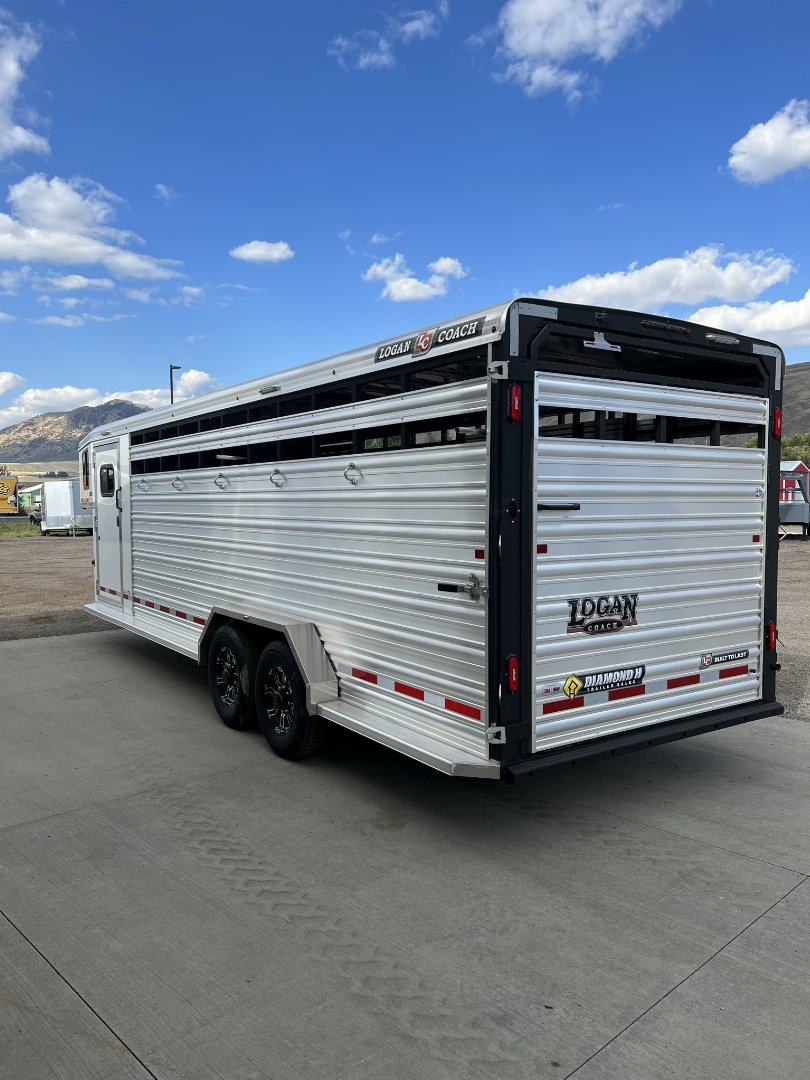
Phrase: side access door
{"type": "Point", "coordinates": [106, 470]}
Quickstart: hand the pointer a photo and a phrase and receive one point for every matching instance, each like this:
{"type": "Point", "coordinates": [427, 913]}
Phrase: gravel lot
{"type": "Point", "coordinates": [47, 581]}
{"type": "Point", "coordinates": [178, 903]}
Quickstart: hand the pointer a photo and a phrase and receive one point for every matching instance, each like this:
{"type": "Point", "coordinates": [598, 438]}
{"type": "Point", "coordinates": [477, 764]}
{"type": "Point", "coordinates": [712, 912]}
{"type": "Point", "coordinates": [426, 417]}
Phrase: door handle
{"type": "Point", "coordinates": [559, 506]}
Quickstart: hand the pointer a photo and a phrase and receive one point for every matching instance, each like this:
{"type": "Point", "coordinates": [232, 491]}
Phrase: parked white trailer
{"type": "Point", "coordinates": [61, 509]}
{"type": "Point", "coordinates": [506, 543]}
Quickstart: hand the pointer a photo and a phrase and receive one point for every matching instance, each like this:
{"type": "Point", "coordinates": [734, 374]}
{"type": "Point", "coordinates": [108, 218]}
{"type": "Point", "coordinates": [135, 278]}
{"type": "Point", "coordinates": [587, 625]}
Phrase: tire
{"type": "Point", "coordinates": [281, 705]}
{"type": "Point", "coordinates": [231, 676]}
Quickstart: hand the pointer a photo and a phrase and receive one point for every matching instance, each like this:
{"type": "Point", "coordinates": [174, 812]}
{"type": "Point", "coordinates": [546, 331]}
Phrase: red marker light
{"type": "Point", "coordinates": [771, 637]}
{"type": "Point", "coordinates": [515, 403]}
{"type": "Point", "coordinates": [777, 423]}
{"type": "Point", "coordinates": [512, 674]}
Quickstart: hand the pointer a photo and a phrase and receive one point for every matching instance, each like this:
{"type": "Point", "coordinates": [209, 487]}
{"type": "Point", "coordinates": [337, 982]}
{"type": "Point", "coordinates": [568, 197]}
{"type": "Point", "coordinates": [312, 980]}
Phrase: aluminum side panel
{"type": "Point", "coordinates": [362, 561]}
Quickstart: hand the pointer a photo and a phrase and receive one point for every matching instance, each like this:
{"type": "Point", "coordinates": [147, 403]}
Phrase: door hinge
{"type": "Point", "coordinates": [496, 735]}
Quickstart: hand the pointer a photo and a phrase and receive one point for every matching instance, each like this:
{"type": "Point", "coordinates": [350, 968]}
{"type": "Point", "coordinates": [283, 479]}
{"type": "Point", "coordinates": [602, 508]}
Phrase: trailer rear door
{"type": "Point", "coordinates": [650, 563]}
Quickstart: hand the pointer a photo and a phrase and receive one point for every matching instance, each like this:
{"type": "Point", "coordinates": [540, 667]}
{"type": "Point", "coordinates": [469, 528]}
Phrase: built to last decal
{"type": "Point", "coordinates": [603, 680]}
{"type": "Point", "coordinates": [602, 614]}
{"type": "Point", "coordinates": [709, 659]}
{"type": "Point", "coordinates": [421, 343]}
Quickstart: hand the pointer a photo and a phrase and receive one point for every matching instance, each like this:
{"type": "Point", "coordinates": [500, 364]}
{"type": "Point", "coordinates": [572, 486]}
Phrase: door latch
{"type": "Point", "coordinates": [474, 588]}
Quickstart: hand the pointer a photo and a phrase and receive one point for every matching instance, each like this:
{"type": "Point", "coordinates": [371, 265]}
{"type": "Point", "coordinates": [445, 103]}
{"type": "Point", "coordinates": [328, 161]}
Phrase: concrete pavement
{"type": "Point", "coordinates": [179, 902]}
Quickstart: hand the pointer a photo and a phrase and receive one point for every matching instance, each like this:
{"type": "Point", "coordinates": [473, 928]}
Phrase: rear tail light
{"type": "Point", "coordinates": [771, 638]}
{"type": "Point", "coordinates": [515, 403]}
{"type": "Point", "coordinates": [777, 423]}
{"type": "Point", "coordinates": [512, 674]}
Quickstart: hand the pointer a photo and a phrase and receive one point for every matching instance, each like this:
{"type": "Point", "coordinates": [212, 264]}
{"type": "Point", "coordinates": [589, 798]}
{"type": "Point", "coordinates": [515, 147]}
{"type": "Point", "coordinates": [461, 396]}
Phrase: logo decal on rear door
{"type": "Point", "coordinates": [602, 614]}
{"type": "Point", "coordinates": [709, 659]}
{"type": "Point", "coordinates": [604, 680]}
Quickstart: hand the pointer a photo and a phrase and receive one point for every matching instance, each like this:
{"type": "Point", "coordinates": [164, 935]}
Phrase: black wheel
{"type": "Point", "coordinates": [281, 704]}
{"type": "Point", "coordinates": [231, 674]}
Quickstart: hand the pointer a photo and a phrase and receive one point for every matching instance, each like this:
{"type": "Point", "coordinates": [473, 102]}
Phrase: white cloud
{"type": "Point", "coordinates": [5, 317]}
{"type": "Point", "coordinates": [383, 238]}
{"type": "Point", "coordinates": [688, 279]}
{"type": "Point", "coordinates": [31, 402]}
{"type": "Point", "coordinates": [776, 147]}
{"type": "Point", "coordinates": [263, 251]}
{"type": "Point", "coordinates": [448, 267]}
{"type": "Point", "coordinates": [9, 380]}
{"type": "Point", "coordinates": [345, 234]}
{"type": "Point", "coordinates": [68, 222]}
{"type": "Point", "coordinates": [18, 47]}
{"type": "Point", "coordinates": [165, 193]}
{"type": "Point", "coordinates": [72, 282]}
{"type": "Point", "coordinates": [373, 50]}
{"type": "Point", "coordinates": [10, 280]}
{"type": "Point", "coordinates": [192, 339]}
{"type": "Point", "coordinates": [541, 39]}
{"type": "Point", "coordinates": [787, 322]}
{"type": "Point", "coordinates": [72, 322]}
{"type": "Point", "coordinates": [402, 285]}
{"type": "Point", "coordinates": [143, 296]}
{"type": "Point", "coordinates": [70, 302]}
{"type": "Point", "coordinates": [366, 50]}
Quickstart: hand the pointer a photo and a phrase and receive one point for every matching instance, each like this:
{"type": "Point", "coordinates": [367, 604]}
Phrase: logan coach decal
{"type": "Point", "coordinates": [602, 614]}
{"type": "Point", "coordinates": [604, 680]}
{"type": "Point", "coordinates": [421, 343]}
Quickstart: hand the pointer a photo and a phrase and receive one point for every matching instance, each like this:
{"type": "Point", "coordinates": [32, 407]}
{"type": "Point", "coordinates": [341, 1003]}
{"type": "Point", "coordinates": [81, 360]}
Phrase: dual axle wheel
{"type": "Point", "coordinates": [269, 687]}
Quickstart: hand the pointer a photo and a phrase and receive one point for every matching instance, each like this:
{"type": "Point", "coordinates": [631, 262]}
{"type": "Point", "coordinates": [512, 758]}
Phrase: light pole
{"type": "Point", "coordinates": [172, 369]}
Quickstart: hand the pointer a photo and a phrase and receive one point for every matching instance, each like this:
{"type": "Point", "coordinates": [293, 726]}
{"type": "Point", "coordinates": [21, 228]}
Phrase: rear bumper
{"type": "Point", "coordinates": [653, 735]}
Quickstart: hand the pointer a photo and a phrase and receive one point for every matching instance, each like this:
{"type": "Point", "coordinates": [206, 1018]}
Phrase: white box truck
{"type": "Point", "coordinates": [506, 543]}
{"type": "Point", "coordinates": [61, 509]}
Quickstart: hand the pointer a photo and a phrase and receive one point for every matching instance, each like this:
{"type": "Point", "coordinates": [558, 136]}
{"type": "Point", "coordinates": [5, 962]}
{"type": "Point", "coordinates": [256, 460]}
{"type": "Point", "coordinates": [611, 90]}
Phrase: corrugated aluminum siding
{"type": "Point", "coordinates": [362, 561]}
{"type": "Point", "coordinates": [674, 524]}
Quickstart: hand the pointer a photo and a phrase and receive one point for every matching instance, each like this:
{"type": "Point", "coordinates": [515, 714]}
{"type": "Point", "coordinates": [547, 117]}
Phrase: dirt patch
{"type": "Point", "coordinates": [46, 582]}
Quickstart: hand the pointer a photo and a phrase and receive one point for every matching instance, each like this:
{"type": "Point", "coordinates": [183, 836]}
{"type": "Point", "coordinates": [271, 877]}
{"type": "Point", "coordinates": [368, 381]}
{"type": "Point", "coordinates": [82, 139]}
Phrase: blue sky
{"type": "Point", "coordinates": [239, 187]}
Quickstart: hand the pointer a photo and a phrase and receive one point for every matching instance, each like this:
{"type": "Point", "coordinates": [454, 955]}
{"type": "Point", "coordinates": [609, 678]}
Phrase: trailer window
{"type": "Point", "coordinates": [644, 427]}
{"type": "Point", "coordinates": [85, 469]}
{"type": "Point", "coordinates": [106, 481]}
{"type": "Point", "coordinates": [417, 375]}
{"type": "Point", "coordinates": [440, 431]}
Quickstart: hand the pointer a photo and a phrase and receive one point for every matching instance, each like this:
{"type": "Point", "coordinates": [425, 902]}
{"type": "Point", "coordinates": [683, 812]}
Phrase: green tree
{"type": "Point", "coordinates": [797, 446]}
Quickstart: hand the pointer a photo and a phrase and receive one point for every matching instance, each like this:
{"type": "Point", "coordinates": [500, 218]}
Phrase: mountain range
{"type": "Point", "coordinates": [56, 436]}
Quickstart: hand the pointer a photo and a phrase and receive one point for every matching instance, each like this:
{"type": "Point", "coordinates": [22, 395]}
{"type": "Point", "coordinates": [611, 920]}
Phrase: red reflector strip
{"type": "Point", "coordinates": [366, 676]}
{"type": "Point", "coordinates": [112, 592]}
{"type": "Point", "coordinates": [462, 709]}
{"type": "Point", "coordinates": [181, 614]}
{"type": "Point", "coordinates": [149, 603]}
{"type": "Point", "coordinates": [136, 599]}
{"type": "Point", "coordinates": [125, 595]}
{"type": "Point", "coordinates": [730, 672]}
{"type": "Point", "coordinates": [480, 553]}
{"type": "Point", "coordinates": [755, 539]}
{"type": "Point", "coordinates": [626, 691]}
{"type": "Point", "coordinates": [199, 621]}
{"type": "Point", "coordinates": [164, 609]}
{"type": "Point", "coordinates": [542, 549]}
{"type": "Point", "coordinates": [409, 691]}
{"type": "Point", "coordinates": [562, 706]}
{"type": "Point", "coordinates": [777, 423]}
{"type": "Point", "coordinates": [682, 680]}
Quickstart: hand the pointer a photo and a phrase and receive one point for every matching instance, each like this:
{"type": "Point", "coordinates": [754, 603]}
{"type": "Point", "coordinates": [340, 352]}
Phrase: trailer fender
{"type": "Point", "coordinates": [304, 642]}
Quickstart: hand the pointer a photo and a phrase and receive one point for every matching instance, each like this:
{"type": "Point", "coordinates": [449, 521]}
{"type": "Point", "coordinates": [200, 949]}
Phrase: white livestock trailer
{"type": "Point", "coordinates": [445, 541]}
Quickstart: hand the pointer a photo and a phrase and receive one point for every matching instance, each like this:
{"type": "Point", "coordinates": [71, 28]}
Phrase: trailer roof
{"type": "Point", "coordinates": [440, 339]}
